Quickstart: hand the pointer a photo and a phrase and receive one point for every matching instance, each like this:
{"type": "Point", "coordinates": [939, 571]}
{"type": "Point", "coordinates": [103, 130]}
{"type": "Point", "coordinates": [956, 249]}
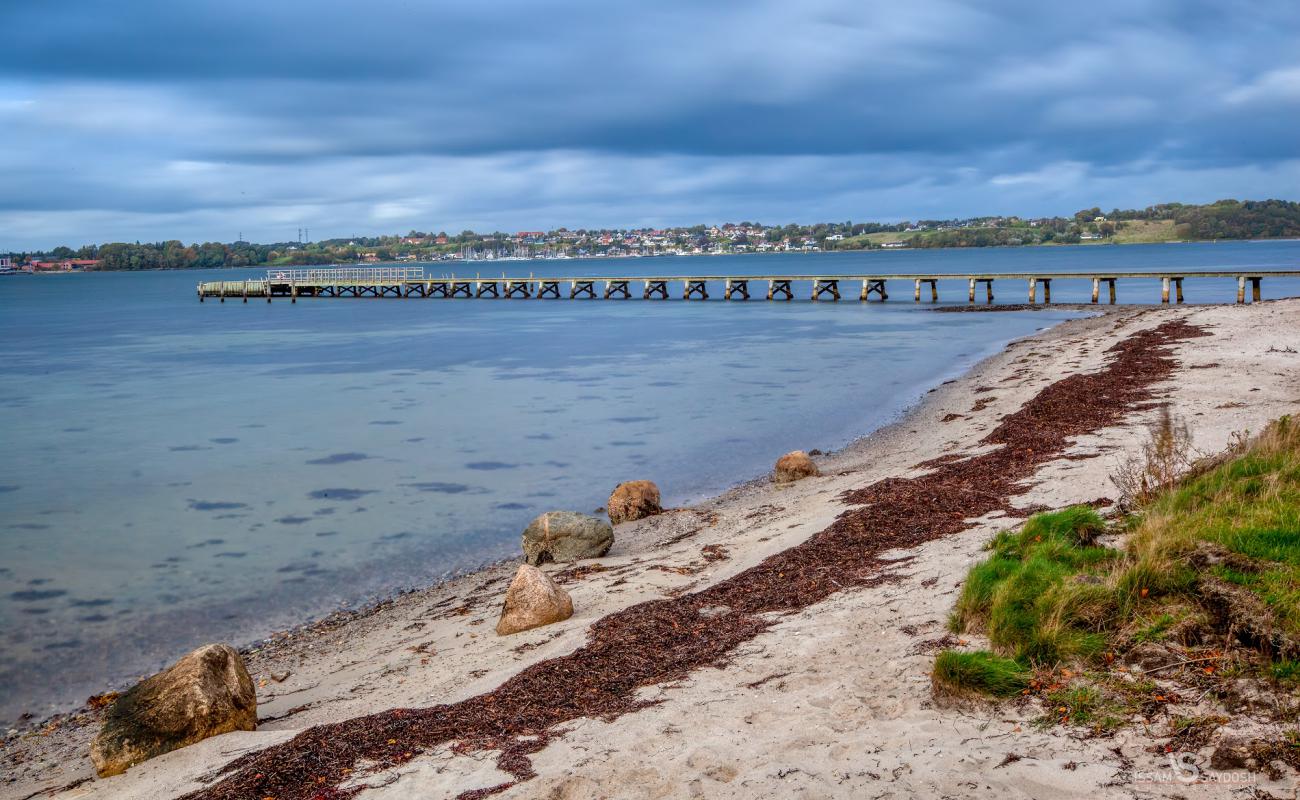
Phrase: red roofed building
{"type": "Point", "coordinates": [65, 265]}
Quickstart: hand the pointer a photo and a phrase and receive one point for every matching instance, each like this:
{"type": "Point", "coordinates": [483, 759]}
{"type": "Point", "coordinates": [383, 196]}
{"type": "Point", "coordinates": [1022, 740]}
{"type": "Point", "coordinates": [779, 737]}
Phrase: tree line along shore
{"type": "Point", "coordinates": [1167, 222]}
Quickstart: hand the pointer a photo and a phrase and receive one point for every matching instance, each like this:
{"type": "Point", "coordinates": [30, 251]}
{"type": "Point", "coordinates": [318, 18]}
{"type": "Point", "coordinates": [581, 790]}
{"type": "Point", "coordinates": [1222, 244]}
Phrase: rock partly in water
{"type": "Point", "coordinates": [533, 600]}
{"type": "Point", "coordinates": [566, 536]}
{"type": "Point", "coordinates": [794, 466]}
{"type": "Point", "coordinates": [206, 693]}
{"type": "Point", "coordinates": [634, 500]}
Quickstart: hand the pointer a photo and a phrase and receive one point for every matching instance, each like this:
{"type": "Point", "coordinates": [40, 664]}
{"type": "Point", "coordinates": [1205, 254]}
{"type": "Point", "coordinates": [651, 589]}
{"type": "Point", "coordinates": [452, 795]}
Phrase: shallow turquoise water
{"type": "Point", "coordinates": [175, 473]}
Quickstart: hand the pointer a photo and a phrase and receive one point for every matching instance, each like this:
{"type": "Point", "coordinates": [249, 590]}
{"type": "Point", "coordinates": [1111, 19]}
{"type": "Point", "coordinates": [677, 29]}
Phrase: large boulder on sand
{"type": "Point", "coordinates": [533, 600]}
{"type": "Point", "coordinates": [794, 466]}
{"type": "Point", "coordinates": [633, 500]}
{"type": "Point", "coordinates": [566, 536]}
{"type": "Point", "coordinates": [206, 693]}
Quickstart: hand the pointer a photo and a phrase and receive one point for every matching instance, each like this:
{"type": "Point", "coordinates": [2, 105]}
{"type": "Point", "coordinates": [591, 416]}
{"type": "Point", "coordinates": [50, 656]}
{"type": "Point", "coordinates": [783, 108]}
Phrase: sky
{"type": "Point", "coordinates": [202, 120]}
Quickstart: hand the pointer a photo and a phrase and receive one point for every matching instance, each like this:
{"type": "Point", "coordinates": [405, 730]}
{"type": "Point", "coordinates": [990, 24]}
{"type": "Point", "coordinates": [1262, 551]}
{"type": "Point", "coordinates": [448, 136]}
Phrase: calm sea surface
{"type": "Point", "coordinates": [175, 473]}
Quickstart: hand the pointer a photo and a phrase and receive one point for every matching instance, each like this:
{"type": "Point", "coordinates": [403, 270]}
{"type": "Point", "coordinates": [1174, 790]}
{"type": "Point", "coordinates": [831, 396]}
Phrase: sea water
{"type": "Point", "coordinates": [174, 473]}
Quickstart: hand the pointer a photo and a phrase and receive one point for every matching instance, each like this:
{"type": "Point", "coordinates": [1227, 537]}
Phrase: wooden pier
{"type": "Point", "coordinates": [407, 282]}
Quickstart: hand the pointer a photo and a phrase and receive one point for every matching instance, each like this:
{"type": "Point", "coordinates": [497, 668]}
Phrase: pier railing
{"type": "Point", "coordinates": [412, 282]}
{"type": "Point", "coordinates": [344, 275]}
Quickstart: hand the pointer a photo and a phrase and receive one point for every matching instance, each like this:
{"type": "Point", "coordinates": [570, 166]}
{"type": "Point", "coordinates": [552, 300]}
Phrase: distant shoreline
{"type": "Point", "coordinates": [1054, 245]}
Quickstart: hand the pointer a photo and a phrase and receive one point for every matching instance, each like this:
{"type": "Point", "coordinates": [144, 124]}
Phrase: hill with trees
{"type": "Point", "coordinates": [1224, 219]}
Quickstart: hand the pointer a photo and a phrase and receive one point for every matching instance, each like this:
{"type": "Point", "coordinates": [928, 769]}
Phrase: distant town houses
{"type": "Point", "coordinates": [62, 265]}
{"type": "Point", "coordinates": [1226, 219]}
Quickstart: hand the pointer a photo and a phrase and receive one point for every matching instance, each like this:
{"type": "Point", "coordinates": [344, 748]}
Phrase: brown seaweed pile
{"type": "Point", "coordinates": [661, 641]}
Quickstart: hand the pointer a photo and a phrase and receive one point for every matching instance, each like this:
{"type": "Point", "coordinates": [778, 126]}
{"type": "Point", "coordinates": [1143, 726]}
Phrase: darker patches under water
{"type": "Point", "coordinates": [215, 505]}
{"type": "Point", "coordinates": [665, 640]}
{"type": "Point", "coordinates": [9, 488]}
{"type": "Point", "coordinates": [224, 440]}
{"type": "Point", "coordinates": [439, 487]}
{"type": "Point", "coordinates": [92, 603]}
{"type": "Point", "coordinates": [339, 458]}
{"type": "Point", "coordinates": [292, 520]}
{"type": "Point", "coordinates": [340, 494]}
{"type": "Point", "coordinates": [486, 466]}
{"type": "Point", "coordinates": [36, 595]}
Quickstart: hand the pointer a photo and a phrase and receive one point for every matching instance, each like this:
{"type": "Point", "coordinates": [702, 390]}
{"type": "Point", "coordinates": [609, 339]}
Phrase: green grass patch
{"type": "Point", "coordinates": [1041, 596]}
{"type": "Point", "coordinates": [1250, 506]}
{"type": "Point", "coordinates": [1048, 595]}
{"type": "Point", "coordinates": [1155, 630]}
{"type": "Point", "coordinates": [1287, 672]}
{"type": "Point", "coordinates": [978, 672]}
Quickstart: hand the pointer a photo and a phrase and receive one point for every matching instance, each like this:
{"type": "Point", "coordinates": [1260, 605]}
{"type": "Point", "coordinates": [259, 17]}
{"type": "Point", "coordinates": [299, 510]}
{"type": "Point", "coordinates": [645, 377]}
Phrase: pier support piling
{"type": "Point", "coordinates": [692, 288]}
{"type": "Point", "coordinates": [736, 287]}
{"type": "Point", "coordinates": [1255, 289]}
{"type": "Point", "coordinates": [617, 287]}
{"type": "Point", "coordinates": [1096, 289]}
{"type": "Point", "coordinates": [1033, 291]}
{"type": "Point", "coordinates": [779, 287]}
{"type": "Point", "coordinates": [585, 289]}
{"type": "Point", "coordinates": [1178, 289]}
{"type": "Point", "coordinates": [1164, 291]}
{"type": "Point", "coordinates": [1241, 289]}
{"type": "Point", "coordinates": [870, 287]}
{"type": "Point", "coordinates": [988, 289]}
{"type": "Point", "coordinates": [825, 286]}
{"type": "Point", "coordinates": [655, 289]}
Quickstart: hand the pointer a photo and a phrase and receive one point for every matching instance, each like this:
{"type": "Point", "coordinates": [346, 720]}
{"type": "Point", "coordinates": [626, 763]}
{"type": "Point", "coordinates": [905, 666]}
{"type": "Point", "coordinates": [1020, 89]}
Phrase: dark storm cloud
{"type": "Point", "coordinates": [177, 117]}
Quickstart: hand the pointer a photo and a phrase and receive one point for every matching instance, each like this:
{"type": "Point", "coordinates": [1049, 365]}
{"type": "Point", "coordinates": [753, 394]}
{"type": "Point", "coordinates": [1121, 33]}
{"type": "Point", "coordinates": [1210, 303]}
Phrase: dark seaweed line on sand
{"type": "Point", "coordinates": [660, 641]}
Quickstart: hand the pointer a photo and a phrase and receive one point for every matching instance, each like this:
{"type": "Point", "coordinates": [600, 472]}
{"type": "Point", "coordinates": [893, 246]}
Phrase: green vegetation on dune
{"type": "Point", "coordinates": [1247, 507]}
{"type": "Point", "coordinates": [1218, 553]}
{"type": "Point", "coordinates": [979, 672]}
{"type": "Point", "coordinates": [1041, 597]}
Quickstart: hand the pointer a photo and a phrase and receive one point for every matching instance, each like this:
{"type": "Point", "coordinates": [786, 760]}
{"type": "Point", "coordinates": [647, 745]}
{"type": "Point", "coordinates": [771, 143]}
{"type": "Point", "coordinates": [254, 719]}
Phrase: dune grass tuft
{"type": "Point", "coordinates": [960, 672]}
{"type": "Point", "coordinates": [1040, 597]}
{"type": "Point", "coordinates": [1249, 506]}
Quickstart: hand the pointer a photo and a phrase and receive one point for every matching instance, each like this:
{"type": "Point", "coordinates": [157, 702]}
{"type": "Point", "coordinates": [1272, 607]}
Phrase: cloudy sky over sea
{"type": "Point", "coordinates": [201, 119]}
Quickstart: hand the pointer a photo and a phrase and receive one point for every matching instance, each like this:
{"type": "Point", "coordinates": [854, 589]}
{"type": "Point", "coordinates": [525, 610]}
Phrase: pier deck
{"type": "Point", "coordinates": [406, 282]}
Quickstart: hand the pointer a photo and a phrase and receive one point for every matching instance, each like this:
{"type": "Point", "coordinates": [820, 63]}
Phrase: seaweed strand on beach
{"type": "Point", "coordinates": [660, 641]}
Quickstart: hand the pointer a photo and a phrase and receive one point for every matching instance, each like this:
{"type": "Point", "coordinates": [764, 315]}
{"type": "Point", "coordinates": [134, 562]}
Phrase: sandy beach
{"type": "Point", "coordinates": [827, 700]}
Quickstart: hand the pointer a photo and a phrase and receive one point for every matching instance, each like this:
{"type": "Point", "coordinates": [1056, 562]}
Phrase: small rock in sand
{"type": "Point", "coordinates": [533, 600]}
{"type": "Point", "coordinates": [634, 500]}
{"type": "Point", "coordinates": [794, 466]}
{"type": "Point", "coordinates": [566, 536]}
{"type": "Point", "coordinates": [206, 693]}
